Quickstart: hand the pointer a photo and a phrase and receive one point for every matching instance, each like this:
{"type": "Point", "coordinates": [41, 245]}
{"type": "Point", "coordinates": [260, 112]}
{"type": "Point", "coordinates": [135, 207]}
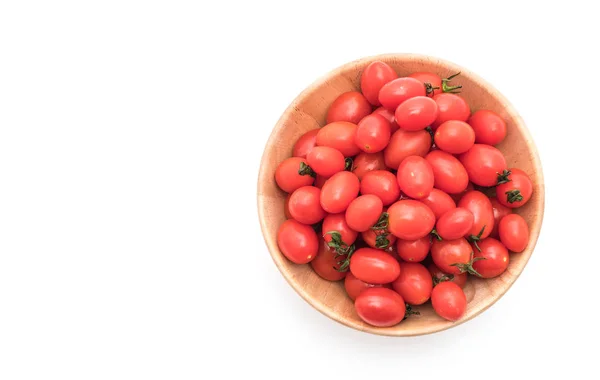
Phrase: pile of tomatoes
{"type": "Point", "coordinates": [403, 195]}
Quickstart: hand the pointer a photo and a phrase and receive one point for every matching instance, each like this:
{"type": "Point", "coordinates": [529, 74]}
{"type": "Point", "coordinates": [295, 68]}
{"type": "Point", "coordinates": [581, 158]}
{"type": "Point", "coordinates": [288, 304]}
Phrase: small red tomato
{"type": "Point", "coordinates": [439, 276]}
{"type": "Point", "coordinates": [514, 232]}
{"type": "Point", "coordinates": [449, 175]}
{"type": "Point", "coordinates": [354, 286]}
{"type": "Point", "coordinates": [366, 162]}
{"type": "Point", "coordinates": [339, 135]}
{"type": "Point", "coordinates": [373, 134]}
{"type": "Point", "coordinates": [415, 177]}
{"type": "Point", "coordinates": [379, 239]}
{"type": "Point", "coordinates": [337, 223]}
{"type": "Point", "coordinates": [414, 283]}
{"type": "Point", "coordinates": [491, 258]}
{"type": "Point", "coordinates": [450, 107]}
{"type": "Point", "coordinates": [416, 113]}
{"type": "Point", "coordinates": [413, 250]}
{"type": "Point", "coordinates": [305, 205]}
{"type": "Point", "coordinates": [483, 215]}
{"type": "Point", "coordinates": [454, 224]}
{"type": "Point", "coordinates": [373, 77]}
{"type": "Point", "coordinates": [325, 264]}
{"type": "Point", "coordinates": [305, 143]}
{"type": "Point", "coordinates": [374, 266]}
{"type": "Point", "coordinates": [288, 177]}
{"type": "Point", "coordinates": [500, 211]}
{"type": "Point", "coordinates": [389, 116]}
{"type": "Point", "coordinates": [454, 137]}
{"type": "Point", "coordinates": [326, 161]}
{"type": "Point", "coordinates": [447, 252]}
{"type": "Point", "coordinates": [363, 212]}
{"type": "Point", "coordinates": [380, 307]}
{"type": "Point", "coordinates": [410, 220]}
{"type": "Point", "coordinates": [449, 301]}
{"type": "Point", "coordinates": [338, 191]}
{"type": "Point", "coordinates": [298, 242]}
{"type": "Point", "coordinates": [483, 164]}
{"type": "Point", "coordinates": [381, 183]}
{"type": "Point", "coordinates": [393, 93]}
{"type": "Point", "coordinates": [403, 144]}
{"type": "Point", "coordinates": [517, 191]}
{"type": "Point", "coordinates": [432, 82]}
{"type": "Point", "coordinates": [350, 106]}
{"type": "Point", "coordinates": [286, 207]}
{"type": "Point", "coordinates": [488, 126]}
{"type": "Point", "coordinates": [439, 202]}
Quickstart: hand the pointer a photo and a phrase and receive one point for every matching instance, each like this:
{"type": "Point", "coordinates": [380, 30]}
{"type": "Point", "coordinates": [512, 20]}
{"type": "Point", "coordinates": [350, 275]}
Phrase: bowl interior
{"type": "Point", "coordinates": [308, 111]}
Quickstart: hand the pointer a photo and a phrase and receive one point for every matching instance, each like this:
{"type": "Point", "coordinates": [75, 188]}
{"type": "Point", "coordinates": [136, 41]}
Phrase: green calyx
{"type": "Point", "coordinates": [342, 250]}
{"type": "Point", "coordinates": [306, 170]}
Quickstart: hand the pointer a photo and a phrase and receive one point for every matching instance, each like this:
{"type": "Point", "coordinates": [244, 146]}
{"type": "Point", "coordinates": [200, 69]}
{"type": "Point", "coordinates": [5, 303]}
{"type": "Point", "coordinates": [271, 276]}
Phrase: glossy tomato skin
{"type": "Point", "coordinates": [350, 106]}
{"type": "Point", "coordinates": [370, 237]}
{"type": "Point", "coordinates": [380, 307]}
{"type": "Point", "coordinates": [326, 161]}
{"type": "Point", "coordinates": [404, 144]}
{"type": "Point", "coordinates": [439, 202]}
{"type": "Point", "coordinates": [298, 242]}
{"type": "Point", "coordinates": [389, 116]}
{"type": "Point", "coordinates": [514, 232]}
{"type": "Point", "coordinates": [415, 177]}
{"type": "Point", "coordinates": [454, 136]}
{"type": "Point", "coordinates": [414, 283]}
{"type": "Point", "coordinates": [305, 143]}
{"type": "Point", "coordinates": [454, 224]}
{"type": "Point", "coordinates": [287, 177]}
{"type": "Point", "coordinates": [366, 162]}
{"type": "Point", "coordinates": [519, 181]}
{"type": "Point", "coordinates": [483, 164]}
{"type": "Point", "coordinates": [374, 266]}
{"type": "Point", "coordinates": [393, 93]}
{"type": "Point", "coordinates": [337, 222]}
{"type": "Point", "coordinates": [450, 107]}
{"type": "Point", "coordinates": [416, 113]}
{"type": "Point", "coordinates": [437, 274]}
{"type": "Point", "coordinates": [373, 134]}
{"type": "Point", "coordinates": [381, 183]}
{"type": "Point", "coordinates": [449, 301]}
{"type": "Point", "coordinates": [429, 78]}
{"type": "Point", "coordinates": [500, 211]}
{"type": "Point", "coordinates": [373, 77]}
{"type": "Point", "coordinates": [339, 135]}
{"type": "Point", "coordinates": [488, 126]}
{"type": "Point", "coordinates": [354, 286]}
{"type": "Point", "coordinates": [325, 264]}
{"type": "Point", "coordinates": [447, 252]}
{"type": "Point", "coordinates": [363, 212]}
{"type": "Point", "coordinates": [413, 250]}
{"type": "Point", "coordinates": [495, 255]}
{"type": "Point", "coordinates": [483, 215]}
{"type": "Point", "coordinates": [449, 175]}
{"type": "Point", "coordinates": [305, 205]}
{"type": "Point", "coordinates": [338, 191]}
{"type": "Point", "coordinates": [410, 219]}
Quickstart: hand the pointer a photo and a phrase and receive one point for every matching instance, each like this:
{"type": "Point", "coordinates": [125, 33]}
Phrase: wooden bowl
{"type": "Point", "coordinates": [308, 111]}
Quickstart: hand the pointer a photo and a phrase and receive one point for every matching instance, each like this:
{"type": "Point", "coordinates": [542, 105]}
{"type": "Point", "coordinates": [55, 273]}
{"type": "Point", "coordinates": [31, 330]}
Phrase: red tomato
{"type": "Point", "coordinates": [410, 220]}
{"type": "Point", "coordinates": [374, 266]}
{"type": "Point", "coordinates": [514, 232]}
{"type": "Point", "coordinates": [298, 242]}
{"type": "Point", "coordinates": [432, 82]}
{"type": "Point", "coordinates": [373, 77]}
{"type": "Point", "coordinates": [305, 143]}
{"type": "Point", "coordinates": [338, 191]}
{"type": "Point", "coordinates": [449, 175]}
{"type": "Point", "coordinates": [447, 252]}
{"type": "Point", "coordinates": [415, 177]}
{"type": "Point", "coordinates": [439, 202]}
{"type": "Point", "coordinates": [337, 222]}
{"type": "Point", "coordinates": [380, 307]}
{"type": "Point", "coordinates": [483, 163]}
{"type": "Point", "coordinates": [517, 191]}
{"type": "Point", "coordinates": [500, 211]}
{"type": "Point", "coordinates": [439, 276]}
{"type": "Point", "coordinates": [483, 214]}
{"type": "Point", "coordinates": [305, 205]}
{"type": "Point", "coordinates": [416, 113]}
{"type": "Point", "coordinates": [454, 137]}
{"type": "Point", "coordinates": [393, 93]}
{"type": "Point", "coordinates": [286, 207]}
{"type": "Point", "coordinates": [326, 161]}
{"type": "Point", "coordinates": [413, 250]}
{"type": "Point", "coordinates": [288, 177]}
{"type": "Point", "coordinates": [492, 260]}
{"type": "Point", "coordinates": [325, 264]}
{"type": "Point", "coordinates": [381, 183]}
{"type": "Point", "coordinates": [450, 107]}
{"type": "Point", "coordinates": [488, 126]}
{"type": "Point", "coordinates": [354, 286]}
{"type": "Point", "coordinates": [449, 301]}
{"type": "Point", "coordinates": [350, 106]}
{"type": "Point", "coordinates": [414, 283]}
{"type": "Point", "coordinates": [363, 212]}
{"type": "Point", "coordinates": [386, 242]}
{"type": "Point", "coordinates": [373, 134]}
{"type": "Point", "coordinates": [454, 224]}
{"type": "Point", "coordinates": [366, 162]}
{"type": "Point", "coordinates": [403, 144]}
{"type": "Point", "coordinates": [389, 116]}
{"type": "Point", "coordinates": [339, 135]}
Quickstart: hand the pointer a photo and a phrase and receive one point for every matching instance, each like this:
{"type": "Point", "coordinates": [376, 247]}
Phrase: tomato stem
{"type": "Point", "coordinates": [442, 278]}
{"type": "Point", "coordinates": [434, 234]}
{"type": "Point", "coordinates": [468, 267]}
{"type": "Point", "coordinates": [410, 311]}
{"type": "Point", "coordinates": [382, 222]}
{"type": "Point", "coordinates": [306, 170]}
{"type": "Point", "coordinates": [342, 250]}
{"type": "Point", "coordinates": [381, 241]}
{"type": "Point", "coordinates": [450, 89]}
{"type": "Point", "coordinates": [475, 238]}
{"type": "Point", "coordinates": [503, 177]}
{"type": "Point", "coordinates": [429, 88]}
{"type": "Point", "coordinates": [349, 164]}
{"type": "Point", "coordinates": [514, 196]}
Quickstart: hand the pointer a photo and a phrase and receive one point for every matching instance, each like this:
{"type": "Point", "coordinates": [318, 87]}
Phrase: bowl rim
{"type": "Point", "coordinates": [278, 258]}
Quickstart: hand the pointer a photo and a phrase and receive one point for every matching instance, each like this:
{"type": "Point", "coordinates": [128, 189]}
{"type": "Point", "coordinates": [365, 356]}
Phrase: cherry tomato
{"type": "Point", "coordinates": [354, 286]}
{"type": "Point", "coordinates": [403, 144]}
{"type": "Point", "coordinates": [450, 107]}
{"type": "Point", "coordinates": [380, 307]}
{"type": "Point", "coordinates": [326, 161]}
{"type": "Point", "coordinates": [337, 222]}
{"type": "Point", "coordinates": [288, 177]}
{"type": "Point", "coordinates": [373, 77]}
{"type": "Point", "coordinates": [414, 283]}
{"type": "Point", "coordinates": [350, 106]}
{"type": "Point", "coordinates": [449, 301]}
{"type": "Point", "coordinates": [381, 183]}
{"type": "Point", "coordinates": [415, 177]}
{"type": "Point", "coordinates": [305, 205]}
{"type": "Point", "coordinates": [454, 137]}
{"type": "Point", "coordinates": [483, 214]}
{"type": "Point", "coordinates": [413, 250]}
{"type": "Point", "coordinates": [363, 212]}
{"type": "Point", "coordinates": [389, 116]}
{"type": "Point", "coordinates": [410, 220]}
{"type": "Point", "coordinates": [298, 242]}
{"type": "Point", "coordinates": [488, 126]}
{"type": "Point", "coordinates": [447, 252]}
{"type": "Point", "coordinates": [373, 134]}
{"type": "Point", "coordinates": [374, 266]}
{"type": "Point", "coordinates": [449, 175]}
{"type": "Point", "coordinates": [325, 264]}
{"type": "Point", "coordinates": [366, 162]}
{"type": "Point", "coordinates": [439, 202]}
{"type": "Point", "coordinates": [500, 211]}
{"type": "Point", "coordinates": [514, 232]}
{"type": "Point", "coordinates": [305, 143]}
{"type": "Point", "coordinates": [454, 224]}
{"type": "Point", "coordinates": [494, 258]}
{"type": "Point", "coordinates": [338, 191]}
{"type": "Point", "coordinates": [286, 207]}
{"type": "Point", "coordinates": [432, 82]}
{"type": "Point", "coordinates": [439, 276]}
{"type": "Point", "coordinates": [483, 163]}
{"type": "Point", "coordinates": [386, 242]}
{"type": "Point", "coordinates": [517, 191]}
{"type": "Point", "coordinates": [393, 93]}
{"type": "Point", "coordinates": [416, 113]}
{"type": "Point", "coordinates": [340, 136]}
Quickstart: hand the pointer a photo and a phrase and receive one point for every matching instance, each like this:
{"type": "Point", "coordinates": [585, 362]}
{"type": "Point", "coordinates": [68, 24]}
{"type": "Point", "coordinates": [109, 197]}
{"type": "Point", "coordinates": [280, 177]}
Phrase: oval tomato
{"type": "Point", "coordinates": [305, 143]}
{"type": "Point", "coordinates": [339, 135]}
{"type": "Point", "coordinates": [326, 263]}
{"type": "Point", "coordinates": [354, 286]}
{"type": "Point", "coordinates": [404, 144]}
{"type": "Point", "coordinates": [489, 128]}
{"type": "Point", "coordinates": [492, 260]}
{"type": "Point", "coordinates": [517, 191]}
{"type": "Point", "coordinates": [298, 242]}
{"type": "Point", "coordinates": [382, 184]}
{"type": "Point", "coordinates": [414, 283]}
{"type": "Point", "coordinates": [410, 219]}
{"type": "Point", "coordinates": [483, 215]}
{"type": "Point", "coordinates": [374, 266]}
{"type": "Point", "coordinates": [447, 252]}
{"type": "Point", "coordinates": [389, 116]}
{"type": "Point", "coordinates": [413, 250]}
{"type": "Point", "coordinates": [416, 113]}
{"type": "Point", "coordinates": [483, 164]}
{"type": "Point", "coordinates": [393, 93]}
{"type": "Point", "coordinates": [288, 177]}
{"type": "Point", "coordinates": [415, 177]}
{"type": "Point", "coordinates": [449, 301]}
{"type": "Point", "coordinates": [432, 82]}
{"type": "Point", "coordinates": [326, 161]}
{"type": "Point", "coordinates": [373, 134]}
{"type": "Point", "coordinates": [439, 202]}
{"type": "Point", "coordinates": [350, 106]}
{"type": "Point", "coordinates": [454, 224]}
{"type": "Point", "coordinates": [514, 232]}
{"type": "Point", "coordinates": [379, 239]}
{"type": "Point", "coordinates": [449, 175]}
{"type": "Point", "coordinates": [363, 212]}
{"type": "Point", "coordinates": [337, 222]}
{"type": "Point", "coordinates": [373, 77]}
{"type": "Point", "coordinates": [380, 307]}
{"type": "Point", "coordinates": [305, 205]}
{"type": "Point", "coordinates": [338, 191]}
{"type": "Point", "coordinates": [454, 137]}
{"type": "Point", "coordinates": [500, 211]}
{"type": "Point", "coordinates": [450, 107]}
{"type": "Point", "coordinates": [366, 162]}
{"type": "Point", "coordinates": [439, 276]}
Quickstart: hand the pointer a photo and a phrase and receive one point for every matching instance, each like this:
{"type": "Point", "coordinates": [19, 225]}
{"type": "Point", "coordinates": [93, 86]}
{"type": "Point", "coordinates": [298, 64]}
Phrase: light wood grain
{"type": "Point", "coordinates": [308, 111]}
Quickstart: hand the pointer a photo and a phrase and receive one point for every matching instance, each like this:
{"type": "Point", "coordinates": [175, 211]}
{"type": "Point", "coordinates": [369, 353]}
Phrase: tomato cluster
{"type": "Point", "coordinates": [403, 195]}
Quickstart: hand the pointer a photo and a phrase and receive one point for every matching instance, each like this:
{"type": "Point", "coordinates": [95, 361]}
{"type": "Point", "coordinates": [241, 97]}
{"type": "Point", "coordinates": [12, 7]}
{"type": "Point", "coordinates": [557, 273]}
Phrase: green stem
{"type": "Point", "coordinates": [306, 170]}
{"type": "Point", "coordinates": [451, 89]}
{"type": "Point", "coordinates": [514, 196]}
{"type": "Point", "coordinates": [503, 177]}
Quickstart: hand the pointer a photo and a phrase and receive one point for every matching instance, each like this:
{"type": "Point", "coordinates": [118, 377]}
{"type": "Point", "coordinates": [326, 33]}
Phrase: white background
{"type": "Point", "coordinates": [130, 140]}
